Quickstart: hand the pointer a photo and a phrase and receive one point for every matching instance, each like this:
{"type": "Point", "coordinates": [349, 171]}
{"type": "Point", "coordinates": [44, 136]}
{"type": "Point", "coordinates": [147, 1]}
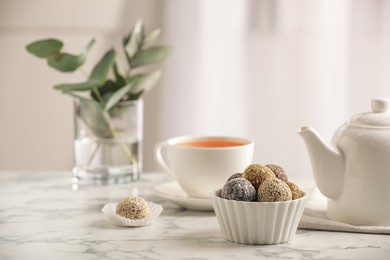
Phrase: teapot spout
{"type": "Point", "coordinates": [327, 163]}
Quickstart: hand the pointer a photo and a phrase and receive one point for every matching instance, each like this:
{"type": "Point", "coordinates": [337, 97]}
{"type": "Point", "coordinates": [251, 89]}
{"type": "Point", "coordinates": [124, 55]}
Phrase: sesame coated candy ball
{"type": "Point", "coordinates": [133, 208]}
{"type": "Point", "coordinates": [295, 191]}
{"type": "Point", "coordinates": [257, 173]}
{"type": "Point", "coordinates": [236, 175]}
{"type": "Point", "coordinates": [272, 190]}
{"type": "Point", "coordinates": [279, 172]}
{"type": "Point", "coordinates": [238, 189]}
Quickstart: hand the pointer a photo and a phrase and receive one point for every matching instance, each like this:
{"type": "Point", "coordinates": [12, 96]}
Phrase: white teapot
{"type": "Point", "coordinates": [353, 171]}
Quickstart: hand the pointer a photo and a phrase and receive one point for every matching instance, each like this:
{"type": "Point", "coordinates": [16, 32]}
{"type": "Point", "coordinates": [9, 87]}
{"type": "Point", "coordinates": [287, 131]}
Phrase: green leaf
{"type": "Point", "coordinates": [126, 40]}
{"type": "Point", "coordinates": [117, 96]}
{"type": "Point", "coordinates": [89, 46]}
{"type": "Point", "coordinates": [134, 96]}
{"type": "Point", "coordinates": [135, 40]}
{"type": "Point", "coordinates": [105, 90]}
{"type": "Point", "coordinates": [66, 62]}
{"type": "Point", "coordinates": [91, 113]}
{"type": "Point", "coordinates": [83, 86]}
{"type": "Point", "coordinates": [145, 83]}
{"type": "Point", "coordinates": [100, 71]}
{"type": "Point", "coordinates": [150, 55]}
{"type": "Point", "coordinates": [151, 37]}
{"type": "Point", "coordinates": [44, 48]}
{"type": "Point", "coordinates": [120, 80]}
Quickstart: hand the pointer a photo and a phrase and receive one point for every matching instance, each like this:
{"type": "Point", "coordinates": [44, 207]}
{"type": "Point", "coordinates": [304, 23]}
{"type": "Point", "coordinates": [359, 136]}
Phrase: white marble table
{"type": "Point", "coordinates": [43, 217]}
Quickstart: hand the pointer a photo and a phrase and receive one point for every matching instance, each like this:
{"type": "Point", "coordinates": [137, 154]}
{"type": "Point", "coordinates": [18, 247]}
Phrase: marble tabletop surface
{"type": "Point", "coordinates": [43, 216]}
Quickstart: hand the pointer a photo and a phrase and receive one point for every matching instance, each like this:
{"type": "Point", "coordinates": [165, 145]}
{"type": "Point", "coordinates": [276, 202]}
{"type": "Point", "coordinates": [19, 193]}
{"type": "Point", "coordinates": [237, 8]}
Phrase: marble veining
{"type": "Point", "coordinates": [44, 216]}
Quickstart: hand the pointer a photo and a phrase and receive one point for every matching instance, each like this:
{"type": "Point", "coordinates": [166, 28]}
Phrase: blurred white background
{"type": "Point", "coordinates": [258, 69]}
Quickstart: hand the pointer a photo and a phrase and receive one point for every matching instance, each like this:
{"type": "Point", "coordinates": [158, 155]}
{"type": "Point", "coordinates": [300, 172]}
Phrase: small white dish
{"type": "Point", "coordinates": [172, 192]}
{"type": "Point", "coordinates": [257, 223]}
{"type": "Point", "coordinates": [109, 210]}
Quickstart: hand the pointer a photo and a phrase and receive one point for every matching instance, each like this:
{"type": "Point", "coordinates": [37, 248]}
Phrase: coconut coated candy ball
{"type": "Point", "coordinates": [257, 174]}
{"type": "Point", "coordinates": [279, 172]}
{"type": "Point", "coordinates": [272, 190]}
{"type": "Point", "coordinates": [295, 191]}
{"type": "Point", "coordinates": [238, 189]}
{"type": "Point", "coordinates": [236, 175]}
{"type": "Point", "coordinates": [133, 208]}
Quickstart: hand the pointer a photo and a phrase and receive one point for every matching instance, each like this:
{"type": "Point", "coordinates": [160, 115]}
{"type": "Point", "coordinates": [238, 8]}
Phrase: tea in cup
{"type": "Point", "coordinates": [202, 164]}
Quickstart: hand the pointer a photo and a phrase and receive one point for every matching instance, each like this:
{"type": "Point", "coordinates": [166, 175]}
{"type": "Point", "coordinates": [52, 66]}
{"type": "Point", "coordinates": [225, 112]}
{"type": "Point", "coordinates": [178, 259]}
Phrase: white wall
{"type": "Point", "coordinates": [36, 123]}
{"type": "Point", "coordinates": [262, 69]}
{"type": "Point", "coordinates": [259, 69]}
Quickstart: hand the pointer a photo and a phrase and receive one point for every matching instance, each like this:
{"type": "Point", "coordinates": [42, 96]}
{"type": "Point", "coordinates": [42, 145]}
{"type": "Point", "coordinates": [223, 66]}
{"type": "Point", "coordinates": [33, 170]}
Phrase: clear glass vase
{"type": "Point", "coordinates": [108, 145]}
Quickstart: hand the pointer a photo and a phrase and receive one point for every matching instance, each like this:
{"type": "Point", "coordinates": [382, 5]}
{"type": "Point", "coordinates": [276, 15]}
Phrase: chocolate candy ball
{"type": "Point", "coordinates": [238, 189]}
{"type": "Point", "coordinates": [295, 191]}
{"type": "Point", "coordinates": [236, 175]}
{"type": "Point", "coordinates": [272, 190]}
{"type": "Point", "coordinates": [257, 173]}
{"type": "Point", "coordinates": [279, 172]}
{"type": "Point", "coordinates": [133, 208]}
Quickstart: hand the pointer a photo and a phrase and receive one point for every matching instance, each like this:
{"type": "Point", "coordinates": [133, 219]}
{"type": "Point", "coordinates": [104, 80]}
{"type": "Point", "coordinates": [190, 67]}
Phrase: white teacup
{"type": "Point", "coordinates": [203, 164]}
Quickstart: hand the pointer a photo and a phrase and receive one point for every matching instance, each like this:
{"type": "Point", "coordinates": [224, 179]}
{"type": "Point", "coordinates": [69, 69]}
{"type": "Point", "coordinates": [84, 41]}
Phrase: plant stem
{"type": "Point", "coordinates": [115, 135]}
{"type": "Point", "coordinates": [125, 149]}
{"type": "Point", "coordinates": [93, 154]}
{"type": "Point", "coordinates": [96, 91]}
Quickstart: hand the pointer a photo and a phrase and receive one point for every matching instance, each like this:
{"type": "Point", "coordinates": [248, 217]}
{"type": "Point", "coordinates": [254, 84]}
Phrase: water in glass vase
{"type": "Point", "coordinates": [106, 161]}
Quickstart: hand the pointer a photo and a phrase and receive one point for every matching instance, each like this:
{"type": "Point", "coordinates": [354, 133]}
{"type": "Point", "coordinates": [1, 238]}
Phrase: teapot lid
{"type": "Point", "coordinates": [379, 117]}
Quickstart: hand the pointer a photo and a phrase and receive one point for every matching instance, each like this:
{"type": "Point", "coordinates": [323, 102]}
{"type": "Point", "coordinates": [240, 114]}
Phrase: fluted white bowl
{"type": "Point", "coordinates": [257, 222]}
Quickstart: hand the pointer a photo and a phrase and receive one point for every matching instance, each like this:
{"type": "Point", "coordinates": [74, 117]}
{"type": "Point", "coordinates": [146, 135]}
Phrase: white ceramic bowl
{"type": "Point", "coordinates": [257, 222]}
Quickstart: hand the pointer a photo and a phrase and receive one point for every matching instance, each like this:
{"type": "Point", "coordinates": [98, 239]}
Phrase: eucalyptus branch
{"type": "Point", "coordinates": [105, 94]}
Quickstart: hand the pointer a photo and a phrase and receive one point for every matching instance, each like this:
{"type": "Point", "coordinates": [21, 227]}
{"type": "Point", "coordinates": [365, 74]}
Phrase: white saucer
{"type": "Point", "coordinates": [172, 192]}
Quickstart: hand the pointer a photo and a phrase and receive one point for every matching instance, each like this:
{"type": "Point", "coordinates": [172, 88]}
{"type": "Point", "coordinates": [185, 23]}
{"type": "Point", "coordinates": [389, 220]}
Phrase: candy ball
{"type": "Point", "coordinates": [238, 189]}
{"type": "Point", "coordinates": [236, 175]}
{"type": "Point", "coordinates": [272, 190]}
{"type": "Point", "coordinates": [133, 208]}
{"type": "Point", "coordinates": [257, 173]}
{"type": "Point", "coordinates": [279, 172]}
{"type": "Point", "coordinates": [295, 191]}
